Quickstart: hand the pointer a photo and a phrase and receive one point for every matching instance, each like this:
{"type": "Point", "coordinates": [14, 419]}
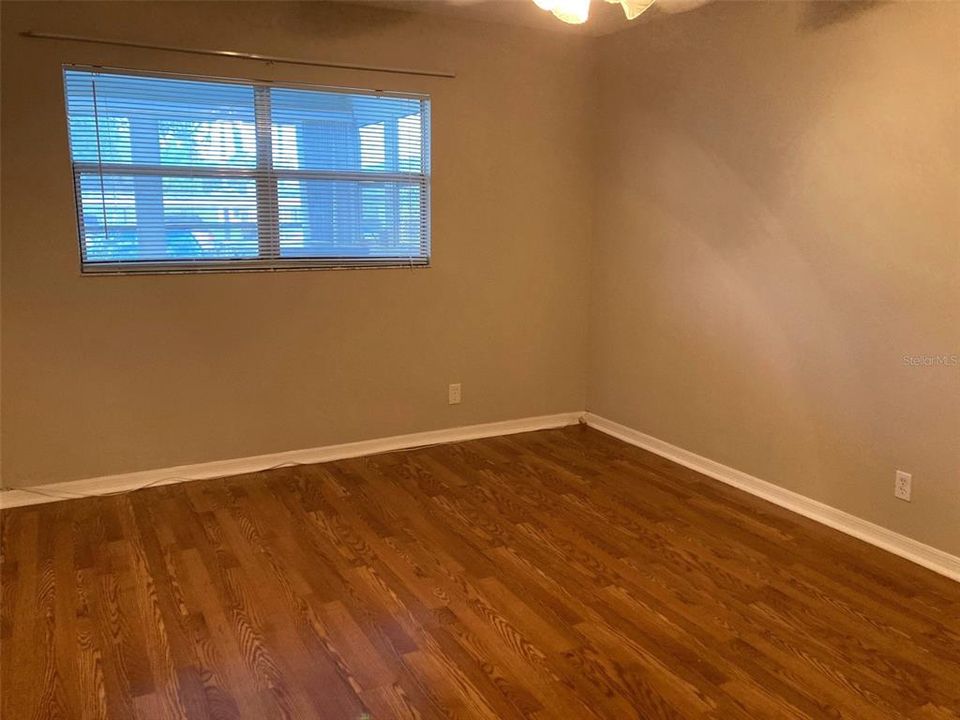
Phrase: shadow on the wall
{"type": "Point", "coordinates": [818, 15]}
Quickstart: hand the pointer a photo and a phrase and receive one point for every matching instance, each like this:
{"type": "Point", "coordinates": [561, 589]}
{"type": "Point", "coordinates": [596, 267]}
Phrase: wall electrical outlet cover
{"type": "Point", "coordinates": [454, 394]}
{"type": "Point", "coordinates": [902, 488]}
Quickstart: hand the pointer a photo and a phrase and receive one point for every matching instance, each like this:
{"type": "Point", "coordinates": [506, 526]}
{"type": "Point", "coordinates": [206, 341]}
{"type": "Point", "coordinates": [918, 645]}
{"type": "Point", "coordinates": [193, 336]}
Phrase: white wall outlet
{"type": "Point", "coordinates": [903, 485]}
{"type": "Point", "coordinates": [453, 394]}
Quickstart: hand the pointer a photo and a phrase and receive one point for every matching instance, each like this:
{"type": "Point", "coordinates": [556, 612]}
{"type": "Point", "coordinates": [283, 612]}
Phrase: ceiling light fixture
{"type": "Point", "coordinates": [575, 12]}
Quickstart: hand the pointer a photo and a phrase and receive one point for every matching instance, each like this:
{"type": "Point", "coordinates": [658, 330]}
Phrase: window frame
{"type": "Point", "coordinates": [266, 177]}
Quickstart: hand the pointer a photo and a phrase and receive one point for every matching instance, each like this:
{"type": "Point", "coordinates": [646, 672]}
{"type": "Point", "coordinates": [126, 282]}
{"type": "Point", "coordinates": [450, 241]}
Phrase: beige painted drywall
{"type": "Point", "coordinates": [775, 196]}
{"type": "Point", "coordinates": [114, 374]}
{"type": "Point", "coordinates": [778, 227]}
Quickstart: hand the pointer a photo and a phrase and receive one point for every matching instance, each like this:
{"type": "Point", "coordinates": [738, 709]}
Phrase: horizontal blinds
{"type": "Point", "coordinates": [176, 173]}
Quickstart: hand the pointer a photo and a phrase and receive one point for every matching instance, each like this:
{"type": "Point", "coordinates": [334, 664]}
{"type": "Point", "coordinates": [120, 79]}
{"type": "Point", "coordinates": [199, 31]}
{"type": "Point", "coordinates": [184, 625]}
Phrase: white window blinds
{"type": "Point", "coordinates": [175, 173]}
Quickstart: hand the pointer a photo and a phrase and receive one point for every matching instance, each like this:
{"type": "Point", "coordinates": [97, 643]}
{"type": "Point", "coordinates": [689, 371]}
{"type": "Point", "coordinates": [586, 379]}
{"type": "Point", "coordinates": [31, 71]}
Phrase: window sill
{"type": "Point", "coordinates": [181, 268]}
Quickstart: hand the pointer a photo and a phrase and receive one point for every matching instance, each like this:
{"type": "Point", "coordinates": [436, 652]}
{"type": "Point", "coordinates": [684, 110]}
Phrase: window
{"type": "Point", "coordinates": [176, 173]}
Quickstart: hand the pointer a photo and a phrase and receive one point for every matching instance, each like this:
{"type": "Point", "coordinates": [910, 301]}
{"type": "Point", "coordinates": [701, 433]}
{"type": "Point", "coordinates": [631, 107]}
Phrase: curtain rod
{"type": "Point", "coordinates": [237, 55]}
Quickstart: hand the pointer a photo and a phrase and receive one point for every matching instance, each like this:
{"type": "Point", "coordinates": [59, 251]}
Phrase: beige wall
{"type": "Point", "coordinates": [778, 213]}
{"type": "Point", "coordinates": [113, 374]}
{"type": "Point", "coordinates": [777, 224]}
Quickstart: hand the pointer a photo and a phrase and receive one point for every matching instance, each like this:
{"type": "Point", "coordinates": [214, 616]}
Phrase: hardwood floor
{"type": "Point", "coordinates": [557, 574]}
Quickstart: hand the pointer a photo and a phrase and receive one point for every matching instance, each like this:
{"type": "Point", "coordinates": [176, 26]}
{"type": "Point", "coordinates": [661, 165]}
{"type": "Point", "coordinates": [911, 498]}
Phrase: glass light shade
{"type": "Point", "coordinates": [574, 12]}
{"type": "Point", "coordinates": [633, 8]}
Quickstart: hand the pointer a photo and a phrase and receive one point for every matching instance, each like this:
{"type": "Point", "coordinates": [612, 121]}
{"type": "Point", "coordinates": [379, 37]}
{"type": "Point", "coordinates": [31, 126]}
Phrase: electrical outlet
{"type": "Point", "coordinates": [453, 394]}
{"type": "Point", "coordinates": [903, 485]}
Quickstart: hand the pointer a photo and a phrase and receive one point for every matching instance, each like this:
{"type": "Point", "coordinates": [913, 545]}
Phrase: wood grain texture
{"type": "Point", "coordinates": [556, 574]}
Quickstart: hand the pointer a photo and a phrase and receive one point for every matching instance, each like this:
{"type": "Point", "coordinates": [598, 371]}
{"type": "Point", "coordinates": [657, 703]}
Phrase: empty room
{"type": "Point", "coordinates": [480, 359]}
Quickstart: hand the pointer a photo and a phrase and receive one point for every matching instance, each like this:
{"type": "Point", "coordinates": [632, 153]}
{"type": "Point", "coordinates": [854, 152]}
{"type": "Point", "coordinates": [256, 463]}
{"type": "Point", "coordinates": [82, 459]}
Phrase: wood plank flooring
{"type": "Point", "coordinates": [557, 574]}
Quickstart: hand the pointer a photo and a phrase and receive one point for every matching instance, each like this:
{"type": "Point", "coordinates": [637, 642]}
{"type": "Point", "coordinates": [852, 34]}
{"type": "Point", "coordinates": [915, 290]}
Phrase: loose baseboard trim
{"type": "Point", "coordinates": [913, 550]}
{"type": "Point", "coordinates": [110, 484]}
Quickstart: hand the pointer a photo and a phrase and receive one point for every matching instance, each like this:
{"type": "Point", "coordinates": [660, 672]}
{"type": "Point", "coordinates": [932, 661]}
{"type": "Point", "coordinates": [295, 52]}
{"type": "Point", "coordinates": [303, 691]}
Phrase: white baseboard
{"type": "Point", "coordinates": [221, 468]}
{"type": "Point", "coordinates": [925, 555]}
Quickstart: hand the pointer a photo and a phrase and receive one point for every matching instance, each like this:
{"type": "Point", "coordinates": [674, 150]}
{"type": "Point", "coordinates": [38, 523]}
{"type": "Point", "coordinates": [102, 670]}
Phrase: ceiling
{"type": "Point", "coordinates": [605, 18]}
